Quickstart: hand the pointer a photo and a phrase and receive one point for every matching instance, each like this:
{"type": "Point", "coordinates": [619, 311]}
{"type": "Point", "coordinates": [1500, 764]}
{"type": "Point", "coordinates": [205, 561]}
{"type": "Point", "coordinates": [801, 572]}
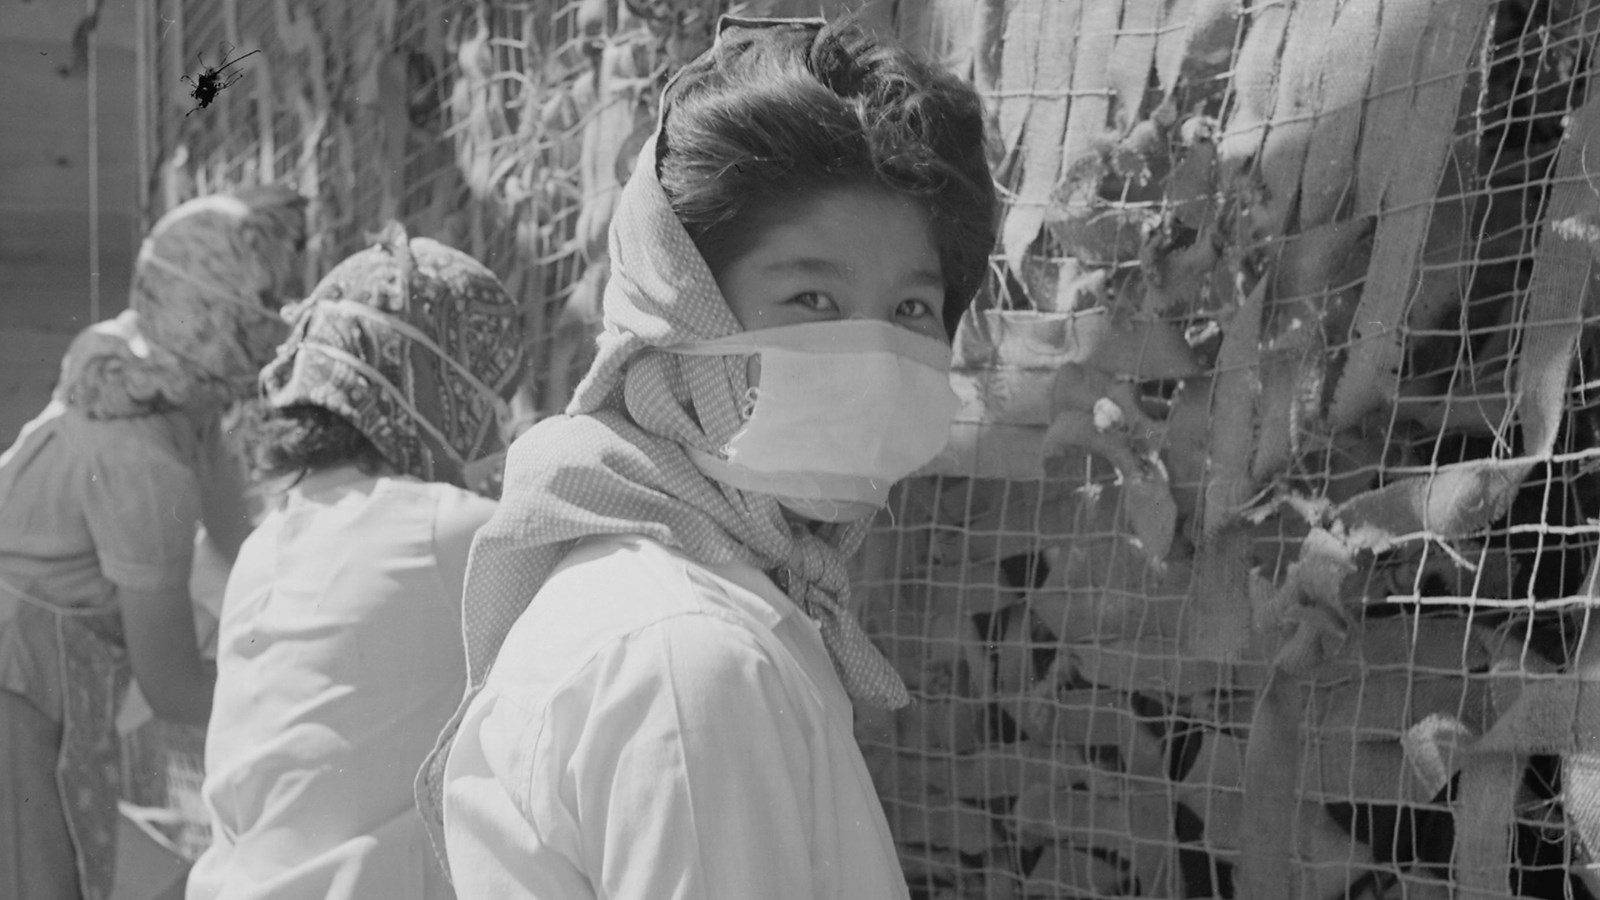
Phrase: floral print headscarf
{"type": "Point", "coordinates": [203, 308]}
{"type": "Point", "coordinates": [417, 344]}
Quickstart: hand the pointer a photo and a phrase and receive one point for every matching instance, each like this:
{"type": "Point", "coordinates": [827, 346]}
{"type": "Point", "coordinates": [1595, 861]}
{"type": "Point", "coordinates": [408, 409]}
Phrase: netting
{"type": "Point", "coordinates": [1259, 563]}
{"type": "Point", "coordinates": [1261, 559]}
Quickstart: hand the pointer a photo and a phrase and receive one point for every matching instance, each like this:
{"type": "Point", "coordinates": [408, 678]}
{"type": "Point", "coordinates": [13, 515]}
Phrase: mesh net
{"type": "Point", "coordinates": [468, 122]}
{"type": "Point", "coordinates": [1260, 561]}
{"type": "Point", "coordinates": [1261, 558]}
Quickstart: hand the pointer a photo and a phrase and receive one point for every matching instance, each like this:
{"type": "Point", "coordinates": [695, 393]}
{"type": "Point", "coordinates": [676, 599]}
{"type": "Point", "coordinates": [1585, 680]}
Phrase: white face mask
{"type": "Point", "coordinates": [842, 412]}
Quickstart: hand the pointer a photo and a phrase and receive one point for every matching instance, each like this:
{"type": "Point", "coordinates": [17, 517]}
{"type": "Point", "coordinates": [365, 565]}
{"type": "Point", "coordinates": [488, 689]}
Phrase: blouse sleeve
{"type": "Point", "coordinates": [142, 507]}
{"type": "Point", "coordinates": [690, 775]}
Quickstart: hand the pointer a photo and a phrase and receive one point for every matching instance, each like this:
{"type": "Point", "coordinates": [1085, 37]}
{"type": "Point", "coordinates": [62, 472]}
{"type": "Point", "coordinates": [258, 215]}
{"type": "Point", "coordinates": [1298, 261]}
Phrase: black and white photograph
{"type": "Point", "coordinates": [799, 449]}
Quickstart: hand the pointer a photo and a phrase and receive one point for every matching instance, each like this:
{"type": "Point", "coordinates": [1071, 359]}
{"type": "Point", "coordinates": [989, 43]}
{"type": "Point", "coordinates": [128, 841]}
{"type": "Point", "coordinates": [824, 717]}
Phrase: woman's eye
{"type": "Point", "coordinates": [815, 301]}
{"type": "Point", "coordinates": [915, 309]}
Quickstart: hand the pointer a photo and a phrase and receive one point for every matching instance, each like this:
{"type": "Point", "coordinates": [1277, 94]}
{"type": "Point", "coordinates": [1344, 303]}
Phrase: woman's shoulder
{"type": "Point", "coordinates": [627, 569]}
{"type": "Point", "coordinates": [627, 596]}
{"type": "Point", "coordinates": [643, 566]}
{"type": "Point", "coordinates": [610, 586]}
{"type": "Point", "coordinates": [131, 432]}
{"type": "Point", "coordinates": [160, 447]}
{"type": "Point", "coordinates": [174, 438]}
{"type": "Point", "coordinates": [628, 582]}
{"type": "Point", "coordinates": [456, 513]}
{"type": "Point", "coordinates": [449, 502]}
{"type": "Point", "coordinates": [458, 505]}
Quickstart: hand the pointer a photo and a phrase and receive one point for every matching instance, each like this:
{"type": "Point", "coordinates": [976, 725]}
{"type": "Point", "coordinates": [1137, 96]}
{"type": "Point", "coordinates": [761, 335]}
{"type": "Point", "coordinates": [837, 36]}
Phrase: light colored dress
{"type": "Point", "coordinates": [339, 660]}
{"type": "Point", "coordinates": [657, 728]}
{"type": "Point", "coordinates": [86, 506]}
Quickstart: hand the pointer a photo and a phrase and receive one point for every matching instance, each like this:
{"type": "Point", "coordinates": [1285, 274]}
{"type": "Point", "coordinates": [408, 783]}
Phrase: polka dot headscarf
{"type": "Point", "coordinates": [615, 464]}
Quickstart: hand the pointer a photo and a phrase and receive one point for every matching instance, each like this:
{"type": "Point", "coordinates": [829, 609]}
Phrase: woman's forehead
{"type": "Point", "coordinates": [851, 222]}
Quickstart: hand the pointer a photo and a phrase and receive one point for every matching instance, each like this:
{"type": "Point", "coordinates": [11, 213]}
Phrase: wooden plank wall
{"type": "Point", "coordinates": [45, 219]}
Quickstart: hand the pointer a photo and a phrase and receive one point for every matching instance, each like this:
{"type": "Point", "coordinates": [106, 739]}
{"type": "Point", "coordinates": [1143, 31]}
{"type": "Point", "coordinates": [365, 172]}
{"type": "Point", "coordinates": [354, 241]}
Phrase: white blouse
{"type": "Point", "coordinates": [339, 660]}
{"type": "Point", "coordinates": [657, 728]}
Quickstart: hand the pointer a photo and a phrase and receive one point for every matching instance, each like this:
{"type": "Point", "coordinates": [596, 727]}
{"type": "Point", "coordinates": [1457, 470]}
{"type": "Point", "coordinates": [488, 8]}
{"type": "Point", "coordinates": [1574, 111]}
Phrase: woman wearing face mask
{"type": "Point", "coordinates": [663, 592]}
{"type": "Point", "coordinates": [339, 653]}
{"type": "Point", "coordinates": [99, 501]}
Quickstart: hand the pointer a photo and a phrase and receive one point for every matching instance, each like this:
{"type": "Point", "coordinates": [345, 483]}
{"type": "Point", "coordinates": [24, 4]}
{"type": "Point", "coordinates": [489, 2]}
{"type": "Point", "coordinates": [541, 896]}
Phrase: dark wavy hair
{"type": "Point", "coordinates": [302, 438]}
{"type": "Point", "coordinates": [775, 113]}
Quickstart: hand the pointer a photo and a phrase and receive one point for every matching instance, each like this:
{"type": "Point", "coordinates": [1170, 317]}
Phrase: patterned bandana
{"type": "Point", "coordinates": [416, 344]}
{"type": "Point", "coordinates": [203, 311]}
{"type": "Point", "coordinates": [209, 280]}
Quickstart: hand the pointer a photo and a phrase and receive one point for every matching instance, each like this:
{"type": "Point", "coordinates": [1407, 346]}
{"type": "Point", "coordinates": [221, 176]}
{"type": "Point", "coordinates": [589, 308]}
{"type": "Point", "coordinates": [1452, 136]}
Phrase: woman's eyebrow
{"type": "Point", "coordinates": [807, 265]}
{"type": "Point", "coordinates": [827, 268]}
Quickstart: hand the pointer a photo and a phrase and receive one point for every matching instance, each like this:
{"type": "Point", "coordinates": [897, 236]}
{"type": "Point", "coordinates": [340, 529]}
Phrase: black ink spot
{"type": "Point", "coordinates": [205, 87]}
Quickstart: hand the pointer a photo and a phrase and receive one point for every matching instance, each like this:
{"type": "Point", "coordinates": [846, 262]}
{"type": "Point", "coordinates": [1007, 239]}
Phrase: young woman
{"type": "Point", "coordinates": [663, 592]}
{"type": "Point", "coordinates": [339, 652]}
{"type": "Point", "coordinates": [99, 500]}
